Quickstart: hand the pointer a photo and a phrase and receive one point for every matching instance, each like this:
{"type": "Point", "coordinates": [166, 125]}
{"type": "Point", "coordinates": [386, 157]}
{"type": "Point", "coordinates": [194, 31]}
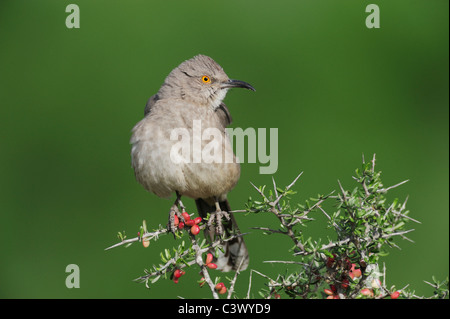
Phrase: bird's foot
{"type": "Point", "coordinates": [174, 219]}
{"type": "Point", "coordinates": [215, 221]}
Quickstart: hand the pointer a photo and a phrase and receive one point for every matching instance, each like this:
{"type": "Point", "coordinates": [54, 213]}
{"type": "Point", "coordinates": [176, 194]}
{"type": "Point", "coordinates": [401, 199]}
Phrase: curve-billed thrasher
{"type": "Point", "coordinates": [192, 94]}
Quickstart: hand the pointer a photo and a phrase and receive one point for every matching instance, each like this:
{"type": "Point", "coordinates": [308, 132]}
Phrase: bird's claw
{"type": "Point", "coordinates": [172, 226]}
{"type": "Point", "coordinates": [215, 221]}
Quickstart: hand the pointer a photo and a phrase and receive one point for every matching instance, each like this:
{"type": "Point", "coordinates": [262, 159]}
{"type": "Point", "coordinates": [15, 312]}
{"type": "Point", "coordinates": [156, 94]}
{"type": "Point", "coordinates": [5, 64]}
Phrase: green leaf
{"type": "Point", "coordinates": [326, 252]}
{"type": "Point", "coordinates": [144, 226]}
{"type": "Point", "coordinates": [155, 279]}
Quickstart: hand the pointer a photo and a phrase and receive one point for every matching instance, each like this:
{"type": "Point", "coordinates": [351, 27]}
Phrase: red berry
{"type": "Point", "coordinates": [145, 243]}
{"type": "Point", "coordinates": [223, 290]}
{"type": "Point", "coordinates": [328, 292]}
{"type": "Point", "coordinates": [202, 282]}
{"type": "Point", "coordinates": [176, 220]}
{"type": "Point", "coordinates": [181, 225]}
{"type": "Point", "coordinates": [211, 266]}
{"type": "Point", "coordinates": [395, 295]}
{"type": "Point", "coordinates": [367, 292]}
{"type": "Point", "coordinates": [195, 230]}
{"type": "Point", "coordinates": [186, 216]}
{"type": "Point", "coordinates": [190, 222]}
{"type": "Point", "coordinates": [175, 280]}
{"type": "Point", "coordinates": [197, 220]}
{"type": "Point", "coordinates": [277, 296]}
{"type": "Point", "coordinates": [333, 288]}
{"type": "Point", "coordinates": [177, 273]}
{"type": "Point", "coordinates": [209, 258]}
{"type": "Point", "coordinates": [355, 272]}
{"type": "Point", "coordinates": [219, 286]}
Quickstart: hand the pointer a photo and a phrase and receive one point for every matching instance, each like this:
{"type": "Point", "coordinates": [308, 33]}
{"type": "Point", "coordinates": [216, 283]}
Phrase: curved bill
{"type": "Point", "coordinates": [237, 84]}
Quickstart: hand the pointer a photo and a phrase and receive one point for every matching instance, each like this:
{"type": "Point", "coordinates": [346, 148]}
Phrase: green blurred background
{"type": "Point", "coordinates": [334, 89]}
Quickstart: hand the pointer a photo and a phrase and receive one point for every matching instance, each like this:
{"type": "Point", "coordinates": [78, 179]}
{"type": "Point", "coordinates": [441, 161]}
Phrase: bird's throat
{"type": "Point", "coordinates": [218, 97]}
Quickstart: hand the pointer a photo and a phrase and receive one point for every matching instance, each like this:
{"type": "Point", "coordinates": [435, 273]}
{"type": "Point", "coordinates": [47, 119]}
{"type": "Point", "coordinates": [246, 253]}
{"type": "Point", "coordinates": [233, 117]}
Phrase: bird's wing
{"type": "Point", "coordinates": [151, 101]}
{"type": "Point", "coordinates": [224, 115]}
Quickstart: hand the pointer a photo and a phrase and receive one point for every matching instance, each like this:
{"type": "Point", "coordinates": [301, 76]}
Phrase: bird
{"type": "Point", "coordinates": [191, 100]}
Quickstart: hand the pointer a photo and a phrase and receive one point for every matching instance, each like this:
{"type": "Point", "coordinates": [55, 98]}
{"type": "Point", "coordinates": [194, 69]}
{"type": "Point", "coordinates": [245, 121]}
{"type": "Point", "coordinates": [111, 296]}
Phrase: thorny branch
{"type": "Point", "coordinates": [363, 226]}
{"type": "Point", "coordinates": [346, 267]}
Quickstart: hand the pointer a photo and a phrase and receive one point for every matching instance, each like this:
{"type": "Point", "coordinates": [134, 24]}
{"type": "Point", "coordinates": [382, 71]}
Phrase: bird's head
{"type": "Point", "coordinates": [200, 80]}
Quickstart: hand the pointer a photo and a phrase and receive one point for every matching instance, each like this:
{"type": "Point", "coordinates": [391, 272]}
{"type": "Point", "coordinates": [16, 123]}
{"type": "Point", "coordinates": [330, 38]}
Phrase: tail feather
{"type": "Point", "coordinates": [235, 255]}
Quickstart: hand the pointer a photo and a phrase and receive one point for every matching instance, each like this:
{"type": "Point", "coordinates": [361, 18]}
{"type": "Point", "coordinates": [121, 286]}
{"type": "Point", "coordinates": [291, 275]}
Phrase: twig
{"type": "Point", "coordinates": [199, 261]}
{"type": "Point", "coordinates": [276, 193]}
{"type": "Point", "coordinates": [342, 191]}
{"type": "Point", "coordinates": [276, 212]}
{"type": "Point", "coordinates": [329, 218]}
{"type": "Point", "coordinates": [162, 270]}
{"type": "Point", "coordinates": [271, 230]}
{"type": "Point", "coordinates": [317, 204]}
{"type": "Point", "coordinates": [250, 281]}
{"type": "Point", "coordinates": [373, 163]}
{"type": "Point", "coordinates": [403, 215]}
{"type": "Point", "coordinates": [275, 203]}
{"type": "Point", "coordinates": [146, 235]}
{"type": "Point", "coordinates": [232, 283]}
{"type": "Point", "coordinates": [324, 247]}
{"type": "Point", "coordinates": [294, 181]}
{"type": "Point", "coordinates": [350, 210]}
{"type": "Point", "coordinates": [401, 233]}
{"type": "Point", "coordinates": [259, 191]}
{"type": "Point", "coordinates": [286, 262]}
{"type": "Point", "coordinates": [384, 190]}
{"type": "Point", "coordinates": [245, 211]}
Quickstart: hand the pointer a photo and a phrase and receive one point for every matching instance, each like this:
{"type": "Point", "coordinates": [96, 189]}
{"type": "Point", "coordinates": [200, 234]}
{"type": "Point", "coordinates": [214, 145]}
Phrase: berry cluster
{"type": "Point", "coordinates": [177, 274]}
{"type": "Point", "coordinates": [344, 272]}
{"type": "Point", "coordinates": [220, 288]}
{"type": "Point", "coordinates": [193, 223]}
{"type": "Point", "coordinates": [208, 261]}
{"type": "Point", "coordinates": [341, 271]}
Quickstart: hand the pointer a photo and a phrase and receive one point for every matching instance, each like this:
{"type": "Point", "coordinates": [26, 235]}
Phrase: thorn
{"type": "Point", "coordinates": [295, 180]}
{"type": "Point", "coordinates": [259, 191]}
{"type": "Point", "coordinates": [373, 163]}
{"type": "Point", "coordinates": [384, 190]}
{"type": "Point", "coordinates": [276, 194]}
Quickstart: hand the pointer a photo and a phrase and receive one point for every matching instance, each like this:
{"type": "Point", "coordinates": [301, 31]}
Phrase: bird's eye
{"type": "Point", "coordinates": [206, 79]}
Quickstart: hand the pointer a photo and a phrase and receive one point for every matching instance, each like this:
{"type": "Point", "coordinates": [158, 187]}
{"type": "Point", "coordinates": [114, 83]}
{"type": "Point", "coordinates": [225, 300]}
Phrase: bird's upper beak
{"type": "Point", "coordinates": [237, 84]}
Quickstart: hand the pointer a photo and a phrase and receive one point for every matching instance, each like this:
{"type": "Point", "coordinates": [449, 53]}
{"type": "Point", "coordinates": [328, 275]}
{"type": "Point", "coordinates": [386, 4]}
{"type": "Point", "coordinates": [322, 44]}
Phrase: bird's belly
{"type": "Point", "coordinates": [154, 169]}
{"type": "Point", "coordinates": [192, 167]}
{"type": "Point", "coordinates": [205, 180]}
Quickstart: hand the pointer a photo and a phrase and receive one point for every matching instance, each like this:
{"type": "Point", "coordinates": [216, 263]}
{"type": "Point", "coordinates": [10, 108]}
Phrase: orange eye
{"type": "Point", "coordinates": [206, 79]}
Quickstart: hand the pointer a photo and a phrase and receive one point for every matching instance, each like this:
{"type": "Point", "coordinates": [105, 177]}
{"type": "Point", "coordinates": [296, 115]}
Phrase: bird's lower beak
{"type": "Point", "coordinates": [237, 84]}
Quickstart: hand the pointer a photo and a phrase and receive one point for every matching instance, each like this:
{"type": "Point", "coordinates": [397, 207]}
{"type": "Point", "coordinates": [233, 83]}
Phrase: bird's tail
{"type": "Point", "coordinates": [235, 253]}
